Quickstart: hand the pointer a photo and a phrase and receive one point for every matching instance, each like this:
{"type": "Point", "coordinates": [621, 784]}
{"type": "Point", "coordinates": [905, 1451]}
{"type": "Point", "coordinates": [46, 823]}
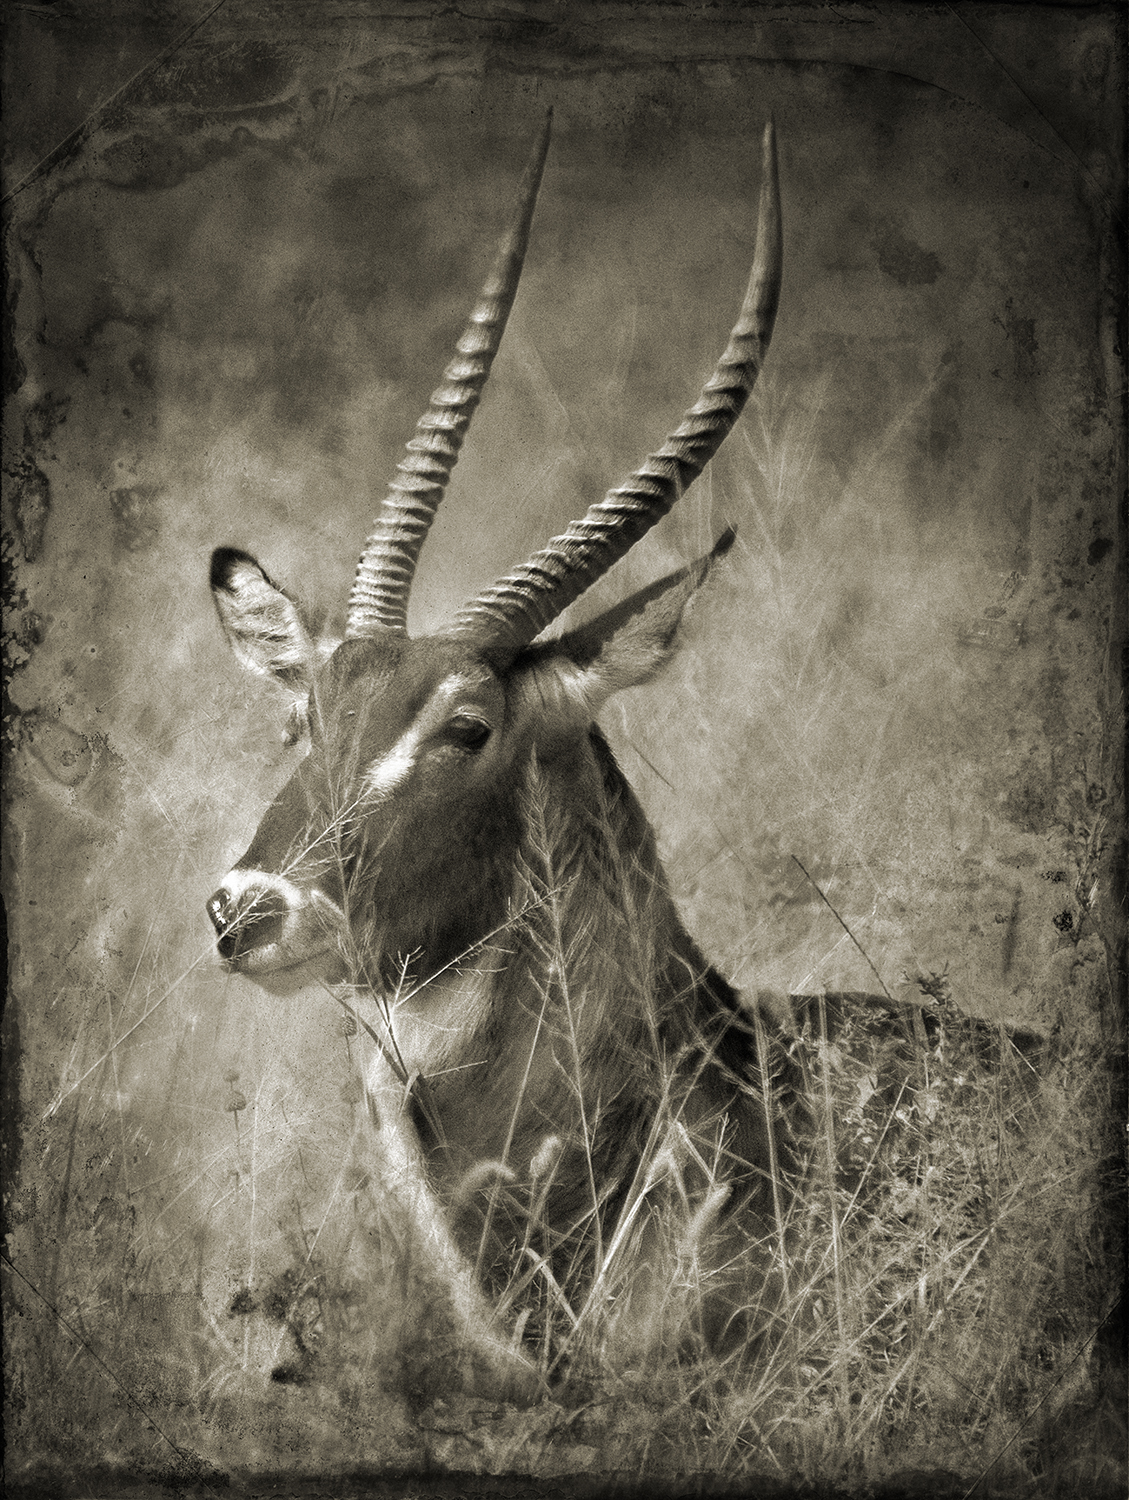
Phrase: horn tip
{"type": "Point", "coordinates": [541, 149]}
{"type": "Point", "coordinates": [723, 544]}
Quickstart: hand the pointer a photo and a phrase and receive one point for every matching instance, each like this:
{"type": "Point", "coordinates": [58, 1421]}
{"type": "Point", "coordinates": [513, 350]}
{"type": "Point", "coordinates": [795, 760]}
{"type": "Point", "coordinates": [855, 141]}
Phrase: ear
{"type": "Point", "coordinates": [263, 627]}
{"type": "Point", "coordinates": [629, 644]}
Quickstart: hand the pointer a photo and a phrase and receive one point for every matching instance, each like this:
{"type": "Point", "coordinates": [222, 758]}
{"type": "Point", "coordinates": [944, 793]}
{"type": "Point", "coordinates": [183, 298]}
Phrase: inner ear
{"type": "Point", "coordinates": [629, 644]}
{"type": "Point", "coordinates": [262, 624]}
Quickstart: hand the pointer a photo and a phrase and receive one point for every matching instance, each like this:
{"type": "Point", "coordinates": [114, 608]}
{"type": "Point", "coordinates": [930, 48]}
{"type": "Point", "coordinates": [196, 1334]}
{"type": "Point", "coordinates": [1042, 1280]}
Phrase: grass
{"type": "Point", "coordinates": [225, 1287]}
{"type": "Point", "coordinates": [941, 1255]}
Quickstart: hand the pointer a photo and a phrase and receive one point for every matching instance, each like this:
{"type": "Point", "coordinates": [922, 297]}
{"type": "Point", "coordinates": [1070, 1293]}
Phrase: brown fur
{"type": "Point", "coordinates": [577, 1089]}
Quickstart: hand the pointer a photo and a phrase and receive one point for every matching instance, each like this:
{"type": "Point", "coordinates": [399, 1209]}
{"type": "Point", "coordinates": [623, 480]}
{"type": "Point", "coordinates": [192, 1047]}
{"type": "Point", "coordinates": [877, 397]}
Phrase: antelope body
{"type": "Point", "coordinates": [555, 1055]}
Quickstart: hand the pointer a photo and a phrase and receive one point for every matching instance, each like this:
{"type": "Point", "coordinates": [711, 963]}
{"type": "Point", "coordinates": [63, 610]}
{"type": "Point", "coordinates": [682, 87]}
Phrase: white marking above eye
{"type": "Point", "coordinates": [392, 768]}
{"type": "Point", "coordinates": [389, 770]}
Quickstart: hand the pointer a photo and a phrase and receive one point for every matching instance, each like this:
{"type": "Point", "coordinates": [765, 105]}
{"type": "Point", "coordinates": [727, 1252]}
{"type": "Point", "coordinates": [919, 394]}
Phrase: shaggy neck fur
{"type": "Point", "coordinates": [583, 1040]}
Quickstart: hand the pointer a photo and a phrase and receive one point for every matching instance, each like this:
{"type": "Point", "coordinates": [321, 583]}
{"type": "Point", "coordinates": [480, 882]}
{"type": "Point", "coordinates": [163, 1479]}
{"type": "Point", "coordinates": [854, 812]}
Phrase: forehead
{"type": "Point", "coordinates": [390, 679]}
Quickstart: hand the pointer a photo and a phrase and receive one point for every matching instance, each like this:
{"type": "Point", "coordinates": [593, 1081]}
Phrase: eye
{"type": "Point", "coordinates": [468, 732]}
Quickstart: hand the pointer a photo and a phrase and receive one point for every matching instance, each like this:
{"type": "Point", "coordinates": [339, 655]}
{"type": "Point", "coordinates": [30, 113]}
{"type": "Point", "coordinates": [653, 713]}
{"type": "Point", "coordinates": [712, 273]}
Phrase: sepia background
{"type": "Point", "coordinates": [231, 295]}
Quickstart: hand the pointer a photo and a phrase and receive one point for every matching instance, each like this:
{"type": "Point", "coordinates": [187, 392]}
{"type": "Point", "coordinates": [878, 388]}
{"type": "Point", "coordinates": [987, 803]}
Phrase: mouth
{"type": "Point", "coordinates": [280, 941]}
{"type": "Point", "coordinates": [272, 969]}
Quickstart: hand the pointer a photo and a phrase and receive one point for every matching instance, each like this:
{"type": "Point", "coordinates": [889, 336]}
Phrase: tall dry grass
{"type": "Point", "coordinates": [934, 1295]}
{"type": "Point", "coordinates": [940, 1273]}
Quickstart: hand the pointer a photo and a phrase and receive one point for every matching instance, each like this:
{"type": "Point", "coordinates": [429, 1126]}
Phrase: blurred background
{"type": "Point", "coordinates": [231, 296]}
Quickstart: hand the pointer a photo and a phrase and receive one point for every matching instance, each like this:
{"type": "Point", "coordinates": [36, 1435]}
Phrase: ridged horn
{"type": "Point", "coordinates": [379, 597]}
{"type": "Point", "coordinates": [509, 614]}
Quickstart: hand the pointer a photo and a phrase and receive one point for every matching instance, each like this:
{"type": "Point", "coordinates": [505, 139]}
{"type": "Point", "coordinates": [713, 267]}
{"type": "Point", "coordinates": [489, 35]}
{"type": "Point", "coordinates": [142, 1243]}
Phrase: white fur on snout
{"type": "Point", "coordinates": [311, 927]}
{"type": "Point", "coordinates": [239, 882]}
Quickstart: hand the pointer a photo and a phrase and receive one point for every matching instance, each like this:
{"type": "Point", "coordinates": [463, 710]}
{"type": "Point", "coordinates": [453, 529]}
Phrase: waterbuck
{"type": "Point", "coordinates": [569, 1097]}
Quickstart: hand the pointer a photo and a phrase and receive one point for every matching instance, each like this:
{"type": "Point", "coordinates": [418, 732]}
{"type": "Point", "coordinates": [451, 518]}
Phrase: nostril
{"type": "Point", "coordinates": [228, 945]}
{"type": "Point", "coordinates": [253, 920]}
{"type": "Point", "coordinates": [221, 910]}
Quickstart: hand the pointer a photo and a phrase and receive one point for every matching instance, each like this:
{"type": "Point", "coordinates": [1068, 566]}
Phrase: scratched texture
{"type": "Point", "coordinates": [231, 295]}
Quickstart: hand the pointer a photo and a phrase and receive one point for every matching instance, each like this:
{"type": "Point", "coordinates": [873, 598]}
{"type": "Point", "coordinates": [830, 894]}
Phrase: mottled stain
{"type": "Point", "coordinates": [33, 507]}
{"type": "Point", "coordinates": [242, 1303]}
{"type": "Point", "coordinates": [904, 260]}
{"type": "Point", "coordinates": [1098, 549]}
{"type": "Point", "coordinates": [940, 433]}
{"type": "Point", "coordinates": [23, 1204]}
{"type": "Point", "coordinates": [238, 76]}
{"type": "Point", "coordinates": [141, 371]}
{"type": "Point", "coordinates": [1030, 800]}
{"type": "Point", "coordinates": [24, 633]}
{"type": "Point", "coordinates": [137, 523]}
{"type": "Point", "coordinates": [1011, 935]}
{"type": "Point", "coordinates": [990, 632]}
{"type": "Point", "coordinates": [48, 413]}
{"type": "Point", "coordinates": [147, 163]}
{"type": "Point", "coordinates": [67, 757]}
{"type": "Point", "coordinates": [1020, 334]}
{"type": "Point", "coordinates": [82, 763]}
{"type": "Point", "coordinates": [104, 792]}
{"type": "Point", "coordinates": [157, 161]}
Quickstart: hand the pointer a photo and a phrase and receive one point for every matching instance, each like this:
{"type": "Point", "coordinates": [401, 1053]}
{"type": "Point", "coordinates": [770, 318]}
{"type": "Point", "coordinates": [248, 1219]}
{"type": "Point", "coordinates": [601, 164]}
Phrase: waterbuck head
{"type": "Point", "coordinates": [395, 840]}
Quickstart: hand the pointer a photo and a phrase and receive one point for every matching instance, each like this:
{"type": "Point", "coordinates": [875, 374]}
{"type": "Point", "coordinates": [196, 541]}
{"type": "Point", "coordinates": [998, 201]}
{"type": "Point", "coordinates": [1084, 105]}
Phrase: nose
{"type": "Point", "coordinates": [252, 919]}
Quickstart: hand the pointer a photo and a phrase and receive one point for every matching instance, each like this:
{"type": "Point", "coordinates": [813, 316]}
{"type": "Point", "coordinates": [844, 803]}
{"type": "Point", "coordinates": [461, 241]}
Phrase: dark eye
{"type": "Point", "coordinates": [468, 733]}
